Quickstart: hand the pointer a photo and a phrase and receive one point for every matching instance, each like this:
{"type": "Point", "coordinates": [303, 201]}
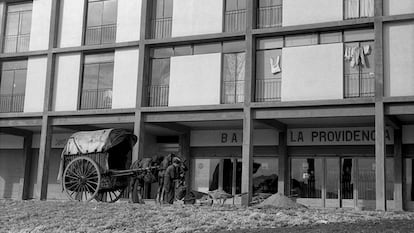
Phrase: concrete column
{"type": "Point", "coordinates": [27, 151]}
{"type": "Point", "coordinates": [398, 171]}
{"type": "Point", "coordinates": [283, 176]}
{"type": "Point", "coordinates": [44, 158]}
{"type": "Point", "coordinates": [247, 159]}
{"type": "Point", "coordinates": [380, 154]}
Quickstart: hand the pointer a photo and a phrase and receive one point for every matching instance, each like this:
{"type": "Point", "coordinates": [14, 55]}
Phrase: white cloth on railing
{"type": "Point", "coordinates": [367, 8]}
{"type": "Point", "coordinates": [352, 9]}
{"type": "Point", "coordinates": [275, 65]}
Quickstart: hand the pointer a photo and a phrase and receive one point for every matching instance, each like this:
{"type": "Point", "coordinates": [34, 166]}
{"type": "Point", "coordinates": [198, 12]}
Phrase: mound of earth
{"type": "Point", "coordinates": [280, 201]}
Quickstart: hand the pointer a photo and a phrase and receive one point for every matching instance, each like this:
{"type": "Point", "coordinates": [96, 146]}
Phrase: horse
{"type": "Point", "coordinates": [153, 175]}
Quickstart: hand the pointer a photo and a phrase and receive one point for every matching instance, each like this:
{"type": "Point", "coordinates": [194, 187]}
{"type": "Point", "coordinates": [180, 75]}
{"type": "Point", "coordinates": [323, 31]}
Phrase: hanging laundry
{"type": "Point", "coordinates": [352, 9]}
{"type": "Point", "coordinates": [274, 65]}
{"type": "Point", "coordinates": [358, 56]}
{"type": "Point", "coordinates": [348, 54]}
{"type": "Point", "coordinates": [367, 50]}
{"type": "Point", "coordinates": [367, 8]}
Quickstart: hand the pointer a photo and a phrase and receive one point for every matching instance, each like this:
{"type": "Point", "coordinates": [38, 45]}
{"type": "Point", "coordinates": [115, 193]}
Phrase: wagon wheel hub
{"type": "Point", "coordinates": [83, 180]}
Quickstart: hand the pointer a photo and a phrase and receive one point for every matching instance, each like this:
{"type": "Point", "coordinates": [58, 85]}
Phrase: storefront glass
{"type": "Point", "coordinates": [265, 177]}
{"type": "Point", "coordinates": [409, 174]}
{"type": "Point", "coordinates": [306, 178]}
{"type": "Point", "coordinates": [332, 177]}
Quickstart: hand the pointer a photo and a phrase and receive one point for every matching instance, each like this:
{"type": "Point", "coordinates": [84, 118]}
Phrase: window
{"type": "Point", "coordinates": [268, 75]}
{"type": "Point", "coordinates": [158, 87]}
{"type": "Point", "coordinates": [18, 25]}
{"type": "Point", "coordinates": [101, 22]}
{"type": "Point", "coordinates": [98, 71]}
{"type": "Point", "coordinates": [13, 86]}
{"type": "Point", "coordinates": [358, 9]}
{"type": "Point", "coordinates": [269, 13]}
{"type": "Point", "coordinates": [233, 78]}
{"type": "Point", "coordinates": [161, 19]}
{"type": "Point", "coordinates": [359, 70]}
{"type": "Point", "coordinates": [265, 175]}
{"type": "Point", "coordinates": [235, 15]}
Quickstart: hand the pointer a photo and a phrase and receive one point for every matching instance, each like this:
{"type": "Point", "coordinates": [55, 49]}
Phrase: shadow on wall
{"type": "Point", "coordinates": [11, 173]}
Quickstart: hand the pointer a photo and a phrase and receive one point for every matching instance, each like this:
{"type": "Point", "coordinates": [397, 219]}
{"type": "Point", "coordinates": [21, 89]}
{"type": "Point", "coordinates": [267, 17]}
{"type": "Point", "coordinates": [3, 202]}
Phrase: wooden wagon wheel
{"type": "Point", "coordinates": [109, 195]}
{"type": "Point", "coordinates": [81, 179]}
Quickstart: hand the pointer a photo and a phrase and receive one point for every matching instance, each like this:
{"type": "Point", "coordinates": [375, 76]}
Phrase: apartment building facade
{"type": "Point", "coordinates": [312, 99]}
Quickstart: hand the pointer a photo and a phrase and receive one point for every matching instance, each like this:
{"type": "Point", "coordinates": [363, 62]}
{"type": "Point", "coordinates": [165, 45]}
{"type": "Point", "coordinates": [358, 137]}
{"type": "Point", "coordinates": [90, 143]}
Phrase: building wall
{"type": "Point", "coordinates": [125, 78]}
{"type": "Point", "coordinates": [71, 22]}
{"type": "Point", "coordinates": [35, 84]}
{"type": "Point", "coordinates": [66, 82]}
{"type": "Point", "coordinates": [199, 17]}
{"type": "Point", "coordinates": [312, 72]}
{"type": "Point", "coordinates": [395, 7]}
{"type": "Point", "coordinates": [316, 11]}
{"type": "Point", "coordinates": [200, 72]}
{"type": "Point", "coordinates": [39, 34]}
{"type": "Point", "coordinates": [399, 59]}
{"type": "Point", "coordinates": [128, 21]}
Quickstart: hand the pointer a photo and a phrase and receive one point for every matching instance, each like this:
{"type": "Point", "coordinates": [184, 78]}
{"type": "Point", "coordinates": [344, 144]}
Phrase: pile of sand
{"type": "Point", "coordinates": [280, 201]}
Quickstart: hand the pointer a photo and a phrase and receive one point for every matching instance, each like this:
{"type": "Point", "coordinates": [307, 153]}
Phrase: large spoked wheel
{"type": "Point", "coordinates": [109, 195]}
{"type": "Point", "coordinates": [81, 179]}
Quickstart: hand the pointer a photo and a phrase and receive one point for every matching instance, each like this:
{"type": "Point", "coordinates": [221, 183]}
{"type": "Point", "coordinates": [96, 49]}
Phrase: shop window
{"type": "Point", "coordinates": [233, 78]}
{"type": "Point", "coordinates": [265, 175]}
{"type": "Point", "coordinates": [13, 86]}
{"type": "Point", "coordinates": [269, 13]}
{"type": "Point", "coordinates": [354, 9]}
{"type": "Point", "coordinates": [306, 178]}
{"type": "Point", "coordinates": [301, 40]}
{"type": "Point", "coordinates": [359, 76]}
{"type": "Point", "coordinates": [161, 18]}
{"type": "Point", "coordinates": [409, 175]}
{"type": "Point", "coordinates": [235, 15]}
{"type": "Point", "coordinates": [101, 22]}
{"type": "Point", "coordinates": [18, 26]}
{"type": "Point", "coordinates": [98, 71]}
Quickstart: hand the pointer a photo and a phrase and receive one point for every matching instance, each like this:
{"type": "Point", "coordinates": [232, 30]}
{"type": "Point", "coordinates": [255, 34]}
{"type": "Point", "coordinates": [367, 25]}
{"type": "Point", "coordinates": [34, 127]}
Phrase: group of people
{"type": "Point", "coordinates": [172, 175]}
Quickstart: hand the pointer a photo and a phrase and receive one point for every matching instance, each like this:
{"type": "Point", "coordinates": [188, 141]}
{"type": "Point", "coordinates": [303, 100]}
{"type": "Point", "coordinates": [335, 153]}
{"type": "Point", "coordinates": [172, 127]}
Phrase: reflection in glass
{"type": "Point", "coordinates": [347, 179]}
{"type": "Point", "coordinates": [366, 179]}
{"type": "Point", "coordinates": [332, 177]}
{"type": "Point", "coordinates": [306, 178]}
{"type": "Point", "coordinates": [266, 177]}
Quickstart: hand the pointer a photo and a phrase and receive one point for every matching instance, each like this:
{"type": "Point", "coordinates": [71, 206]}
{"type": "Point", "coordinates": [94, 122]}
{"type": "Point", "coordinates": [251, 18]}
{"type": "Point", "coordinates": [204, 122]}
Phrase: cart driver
{"type": "Point", "coordinates": [171, 174]}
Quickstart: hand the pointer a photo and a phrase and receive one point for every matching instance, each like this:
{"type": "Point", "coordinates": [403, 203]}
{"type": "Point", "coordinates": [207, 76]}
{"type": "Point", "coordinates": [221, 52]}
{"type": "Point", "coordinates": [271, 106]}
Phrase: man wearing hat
{"type": "Point", "coordinates": [170, 175]}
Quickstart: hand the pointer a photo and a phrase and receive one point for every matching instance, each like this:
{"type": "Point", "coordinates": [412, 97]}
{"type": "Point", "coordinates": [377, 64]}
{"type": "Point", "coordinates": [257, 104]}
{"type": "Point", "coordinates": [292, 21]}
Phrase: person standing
{"type": "Point", "coordinates": [171, 174]}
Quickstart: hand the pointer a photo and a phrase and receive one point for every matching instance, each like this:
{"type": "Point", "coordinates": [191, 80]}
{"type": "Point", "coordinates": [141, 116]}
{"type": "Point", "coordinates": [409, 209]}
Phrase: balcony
{"type": "Point", "coordinates": [13, 44]}
{"type": "Point", "coordinates": [235, 21]}
{"type": "Point", "coordinates": [268, 90]}
{"type": "Point", "coordinates": [157, 95]}
{"type": "Point", "coordinates": [233, 92]}
{"type": "Point", "coordinates": [161, 28]}
{"type": "Point", "coordinates": [104, 34]}
{"type": "Point", "coordinates": [96, 99]}
{"type": "Point", "coordinates": [268, 17]}
{"type": "Point", "coordinates": [11, 103]}
{"type": "Point", "coordinates": [359, 85]}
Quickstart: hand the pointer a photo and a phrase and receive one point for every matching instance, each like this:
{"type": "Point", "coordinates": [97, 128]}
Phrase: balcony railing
{"type": "Point", "coordinates": [11, 103]}
{"type": "Point", "coordinates": [161, 28]}
{"type": "Point", "coordinates": [359, 85]}
{"type": "Point", "coordinates": [268, 90]}
{"type": "Point", "coordinates": [354, 9]}
{"type": "Point", "coordinates": [157, 95]}
{"type": "Point", "coordinates": [96, 99]}
{"type": "Point", "coordinates": [233, 92]}
{"type": "Point", "coordinates": [235, 21]}
{"type": "Point", "coordinates": [100, 34]}
{"type": "Point", "coordinates": [269, 17]}
{"type": "Point", "coordinates": [13, 44]}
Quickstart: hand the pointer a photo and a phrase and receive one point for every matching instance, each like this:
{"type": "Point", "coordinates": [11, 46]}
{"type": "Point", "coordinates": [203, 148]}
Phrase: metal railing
{"type": "Point", "coordinates": [268, 90]}
{"type": "Point", "coordinates": [354, 9]}
{"type": "Point", "coordinates": [96, 99]}
{"type": "Point", "coordinates": [103, 34]}
{"type": "Point", "coordinates": [161, 28]}
{"type": "Point", "coordinates": [11, 103]}
{"type": "Point", "coordinates": [157, 95]}
{"type": "Point", "coordinates": [269, 16]}
{"type": "Point", "coordinates": [13, 44]}
{"type": "Point", "coordinates": [359, 85]}
{"type": "Point", "coordinates": [235, 21]}
{"type": "Point", "coordinates": [234, 96]}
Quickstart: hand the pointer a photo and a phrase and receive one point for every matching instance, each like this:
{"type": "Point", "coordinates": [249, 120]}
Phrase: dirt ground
{"type": "Point", "coordinates": [66, 216]}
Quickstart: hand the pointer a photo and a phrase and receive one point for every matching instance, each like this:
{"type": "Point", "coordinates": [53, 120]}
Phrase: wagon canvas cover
{"type": "Point", "coordinates": [99, 141]}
